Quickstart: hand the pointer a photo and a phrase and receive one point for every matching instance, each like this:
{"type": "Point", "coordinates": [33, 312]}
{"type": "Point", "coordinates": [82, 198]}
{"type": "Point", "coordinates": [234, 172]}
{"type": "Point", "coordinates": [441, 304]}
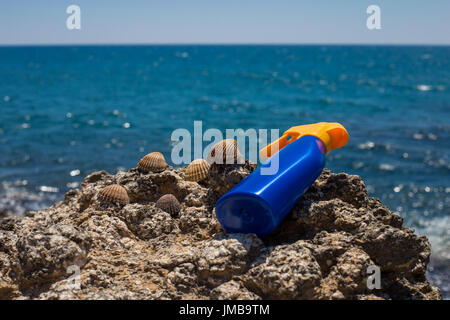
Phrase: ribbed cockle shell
{"type": "Point", "coordinates": [114, 194]}
{"type": "Point", "coordinates": [197, 170]}
{"type": "Point", "coordinates": [169, 204]}
{"type": "Point", "coordinates": [153, 162]}
{"type": "Point", "coordinates": [225, 152]}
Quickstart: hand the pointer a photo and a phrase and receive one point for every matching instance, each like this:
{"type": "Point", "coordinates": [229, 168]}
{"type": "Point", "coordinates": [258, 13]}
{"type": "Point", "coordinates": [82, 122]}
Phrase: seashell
{"type": "Point", "coordinates": [225, 152]}
{"type": "Point", "coordinates": [114, 194]}
{"type": "Point", "coordinates": [197, 170]}
{"type": "Point", "coordinates": [169, 204]}
{"type": "Point", "coordinates": [153, 162]}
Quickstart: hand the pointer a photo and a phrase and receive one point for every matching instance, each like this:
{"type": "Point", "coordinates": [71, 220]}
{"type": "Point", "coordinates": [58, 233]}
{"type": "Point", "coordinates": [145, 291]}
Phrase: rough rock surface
{"type": "Point", "coordinates": [82, 249]}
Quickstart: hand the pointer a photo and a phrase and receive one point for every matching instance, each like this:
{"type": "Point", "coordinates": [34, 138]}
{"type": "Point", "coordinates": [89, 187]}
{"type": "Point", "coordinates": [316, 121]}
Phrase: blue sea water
{"type": "Point", "coordinates": [68, 111]}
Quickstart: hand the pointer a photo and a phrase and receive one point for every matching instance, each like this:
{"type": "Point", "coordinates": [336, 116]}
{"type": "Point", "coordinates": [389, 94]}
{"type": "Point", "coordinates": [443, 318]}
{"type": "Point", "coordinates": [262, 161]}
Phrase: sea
{"type": "Point", "coordinates": [67, 111]}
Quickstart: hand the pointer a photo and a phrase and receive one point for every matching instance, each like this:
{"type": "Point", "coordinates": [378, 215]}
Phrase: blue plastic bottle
{"type": "Point", "coordinates": [262, 200]}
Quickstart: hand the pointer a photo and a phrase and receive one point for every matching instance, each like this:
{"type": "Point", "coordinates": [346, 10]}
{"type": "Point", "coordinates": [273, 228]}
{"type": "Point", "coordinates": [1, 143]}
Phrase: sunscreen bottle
{"type": "Point", "coordinates": [263, 199]}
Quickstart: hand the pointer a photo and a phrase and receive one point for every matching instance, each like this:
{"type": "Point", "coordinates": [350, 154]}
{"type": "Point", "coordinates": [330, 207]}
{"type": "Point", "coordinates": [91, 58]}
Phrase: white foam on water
{"type": "Point", "coordinates": [386, 167]}
{"type": "Point", "coordinates": [16, 199]}
{"type": "Point", "coordinates": [438, 233]}
{"type": "Point", "coordinates": [423, 87]}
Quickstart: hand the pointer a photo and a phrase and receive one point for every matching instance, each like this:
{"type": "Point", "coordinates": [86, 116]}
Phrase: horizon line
{"type": "Point", "coordinates": [224, 44]}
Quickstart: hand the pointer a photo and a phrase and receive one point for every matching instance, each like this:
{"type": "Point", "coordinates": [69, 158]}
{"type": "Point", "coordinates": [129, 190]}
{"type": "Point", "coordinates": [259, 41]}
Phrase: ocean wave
{"type": "Point", "coordinates": [438, 234]}
{"type": "Point", "coordinates": [16, 200]}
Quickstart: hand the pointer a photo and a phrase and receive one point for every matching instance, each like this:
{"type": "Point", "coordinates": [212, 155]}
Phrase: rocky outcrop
{"type": "Point", "coordinates": [81, 248]}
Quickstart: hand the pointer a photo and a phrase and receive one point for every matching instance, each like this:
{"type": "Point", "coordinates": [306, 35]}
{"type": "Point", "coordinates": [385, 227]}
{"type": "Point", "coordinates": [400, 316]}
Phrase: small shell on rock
{"type": "Point", "coordinates": [114, 194]}
{"type": "Point", "coordinates": [197, 170]}
{"type": "Point", "coordinates": [153, 162]}
{"type": "Point", "coordinates": [169, 204]}
{"type": "Point", "coordinates": [225, 152]}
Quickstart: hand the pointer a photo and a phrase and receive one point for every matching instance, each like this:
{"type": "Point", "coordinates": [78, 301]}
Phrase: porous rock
{"type": "Point", "coordinates": [322, 250]}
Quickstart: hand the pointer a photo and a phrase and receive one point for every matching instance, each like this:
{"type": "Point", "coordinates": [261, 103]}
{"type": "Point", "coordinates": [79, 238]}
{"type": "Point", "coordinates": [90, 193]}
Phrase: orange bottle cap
{"type": "Point", "coordinates": [332, 134]}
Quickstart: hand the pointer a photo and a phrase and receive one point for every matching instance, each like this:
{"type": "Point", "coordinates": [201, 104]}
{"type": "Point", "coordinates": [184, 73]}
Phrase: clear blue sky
{"type": "Point", "coordinates": [224, 21]}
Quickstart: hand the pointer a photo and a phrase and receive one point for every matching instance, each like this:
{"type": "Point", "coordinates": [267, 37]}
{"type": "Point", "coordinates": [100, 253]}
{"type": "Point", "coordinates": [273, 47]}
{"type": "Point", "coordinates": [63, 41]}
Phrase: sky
{"type": "Point", "coordinates": [27, 22]}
